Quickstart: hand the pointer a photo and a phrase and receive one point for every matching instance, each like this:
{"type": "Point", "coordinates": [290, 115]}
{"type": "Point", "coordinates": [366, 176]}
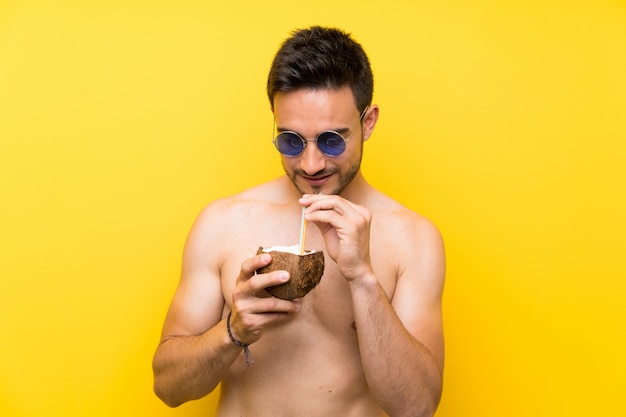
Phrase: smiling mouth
{"type": "Point", "coordinates": [317, 180]}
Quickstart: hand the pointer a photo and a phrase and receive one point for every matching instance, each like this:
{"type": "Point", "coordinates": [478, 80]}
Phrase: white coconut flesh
{"type": "Point", "coordinates": [295, 249]}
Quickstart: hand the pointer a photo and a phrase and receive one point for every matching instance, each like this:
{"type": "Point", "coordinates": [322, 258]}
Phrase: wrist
{"type": "Point", "coordinates": [246, 350]}
{"type": "Point", "coordinates": [365, 281]}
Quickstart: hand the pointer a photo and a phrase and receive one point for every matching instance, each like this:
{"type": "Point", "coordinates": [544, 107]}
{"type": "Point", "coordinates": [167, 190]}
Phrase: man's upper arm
{"type": "Point", "coordinates": [198, 301]}
{"type": "Point", "coordinates": [418, 295]}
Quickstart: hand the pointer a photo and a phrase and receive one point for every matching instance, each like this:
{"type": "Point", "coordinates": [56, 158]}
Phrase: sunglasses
{"type": "Point", "coordinates": [329, 142]}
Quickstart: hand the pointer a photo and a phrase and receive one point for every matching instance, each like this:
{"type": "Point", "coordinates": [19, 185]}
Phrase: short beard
{"type": "Point", "coordinates": [344, 180]}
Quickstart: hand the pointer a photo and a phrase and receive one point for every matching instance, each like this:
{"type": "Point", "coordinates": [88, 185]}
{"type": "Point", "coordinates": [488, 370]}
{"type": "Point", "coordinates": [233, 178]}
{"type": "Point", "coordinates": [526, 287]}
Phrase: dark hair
{"type": "Point", "coordinates": [320, 57]}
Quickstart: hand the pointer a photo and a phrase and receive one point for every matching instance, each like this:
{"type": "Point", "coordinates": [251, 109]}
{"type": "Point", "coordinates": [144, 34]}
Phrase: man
{"type": "Point", "coordinates": [368, 340]}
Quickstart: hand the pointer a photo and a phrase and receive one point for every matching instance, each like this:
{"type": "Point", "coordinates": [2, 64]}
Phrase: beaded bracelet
{"type": "Point", "coordinates": [246, 352]}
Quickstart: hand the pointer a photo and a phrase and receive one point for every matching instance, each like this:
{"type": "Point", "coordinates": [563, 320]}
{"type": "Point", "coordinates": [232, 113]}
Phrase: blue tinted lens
{"type": "Point", "coordinates": [331, 144]}
{"type": "Point", "coordinates": [289, 144]}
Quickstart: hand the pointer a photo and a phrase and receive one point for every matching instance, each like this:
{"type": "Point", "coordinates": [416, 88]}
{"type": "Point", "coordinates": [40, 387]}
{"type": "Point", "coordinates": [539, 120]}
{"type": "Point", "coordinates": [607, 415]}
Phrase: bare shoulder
{"type": "Point", "coordinates": [266, 193]}
{"type": "Point", "coordinates": [235, 209]}
{"type": "Point", "coordinates": [411, 241]}
{"type": "Point", "coordinates": [238, 221]}
{"type": "Point", "coordinates": [410, 229]}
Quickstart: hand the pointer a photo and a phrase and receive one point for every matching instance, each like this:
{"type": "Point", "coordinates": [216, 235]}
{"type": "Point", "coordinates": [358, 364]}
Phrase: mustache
{"type": "Point", "coordinates": [319, 174]}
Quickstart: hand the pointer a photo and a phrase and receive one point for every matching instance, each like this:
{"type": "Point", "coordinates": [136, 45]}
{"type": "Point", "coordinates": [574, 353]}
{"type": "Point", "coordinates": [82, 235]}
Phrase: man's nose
{"type": "Point", "coordinates": [312, 159]}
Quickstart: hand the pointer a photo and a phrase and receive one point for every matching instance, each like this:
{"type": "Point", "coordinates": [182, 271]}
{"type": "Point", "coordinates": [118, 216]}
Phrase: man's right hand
{"type": "Point", "coordinates": [253, 308]}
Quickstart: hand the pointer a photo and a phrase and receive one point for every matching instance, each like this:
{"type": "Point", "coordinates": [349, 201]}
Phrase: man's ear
{"type": "Point", "coordinates": [369, 121]}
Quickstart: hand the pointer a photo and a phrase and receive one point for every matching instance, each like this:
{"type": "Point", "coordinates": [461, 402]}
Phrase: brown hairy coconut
{"type": "Point", "coordinates": [305, 270]}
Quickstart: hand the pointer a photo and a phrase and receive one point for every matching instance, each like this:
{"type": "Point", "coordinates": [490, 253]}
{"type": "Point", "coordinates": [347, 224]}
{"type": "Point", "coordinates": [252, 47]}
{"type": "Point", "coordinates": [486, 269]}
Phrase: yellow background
{"type": "Point", "coordinates": [503, 121]}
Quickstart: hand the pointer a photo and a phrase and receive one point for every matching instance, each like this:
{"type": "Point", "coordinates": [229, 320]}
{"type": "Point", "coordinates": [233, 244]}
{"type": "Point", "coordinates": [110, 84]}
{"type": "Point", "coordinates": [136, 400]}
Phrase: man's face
{"type": "Point", "coordinates": [309, 112]}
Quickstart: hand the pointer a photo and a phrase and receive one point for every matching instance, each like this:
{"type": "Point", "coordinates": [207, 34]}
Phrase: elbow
{"type": "Point", "coordinates": [164, 388]}
{"type": "Point", "coordinates": [431, 403]}
{"type": "Point", "coordinates": [418, 409]}
{"type": "Point", "coordinates": [429, 407]}
{"type": "Point", "coordinates": [430, 398]}
{"type": "Point", "coordinates": [423, 405]}
{"type": "Point", "coordinates": [421, 410]}
{"type": "Point", "coordinates": [175, 392]}
{"type": "Point", "coordinates": [165, 395]}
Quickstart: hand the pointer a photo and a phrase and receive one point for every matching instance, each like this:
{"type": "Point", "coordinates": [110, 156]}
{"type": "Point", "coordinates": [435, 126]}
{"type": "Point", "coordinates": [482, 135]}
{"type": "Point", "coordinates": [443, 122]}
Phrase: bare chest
{"type": "Point", "coordinates": [329, 305]}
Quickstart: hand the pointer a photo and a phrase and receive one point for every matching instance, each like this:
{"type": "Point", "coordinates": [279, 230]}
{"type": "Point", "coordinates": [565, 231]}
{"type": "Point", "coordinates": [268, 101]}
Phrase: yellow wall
{"type": "Point", "coordinates": [502, 121]}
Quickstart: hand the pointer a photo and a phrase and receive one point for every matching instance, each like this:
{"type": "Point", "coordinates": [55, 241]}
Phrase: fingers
{"type": "Point", "coordinates": [253, 309]}
{"type": "Point", "coordinates": [252, 315]}
{"type": "Point", "coordinates": [315, 202]}
{"type": "Point", "coordinates": [252, 306]}
{"type": "Point", "coordinates": [249, 266]}
{"type": "Point", "coordinates": [251, 283]}
{"type": "Point", "coordinates": [334, 210]}
{"type": "Point", "coordinates": [345, 227]}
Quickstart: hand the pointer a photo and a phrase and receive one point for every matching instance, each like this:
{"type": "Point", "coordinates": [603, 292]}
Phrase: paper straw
{"type": "Point", "coordinates": [302, 232]}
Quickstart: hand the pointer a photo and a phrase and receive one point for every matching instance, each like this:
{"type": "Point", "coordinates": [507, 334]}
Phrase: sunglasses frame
{"type": "Point", "coordinates": [306, 141]}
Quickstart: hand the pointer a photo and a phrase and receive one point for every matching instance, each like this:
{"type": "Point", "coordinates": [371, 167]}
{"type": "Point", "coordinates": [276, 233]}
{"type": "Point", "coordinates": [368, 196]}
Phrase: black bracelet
{"type": "Point", "coordinates": [246, 352]}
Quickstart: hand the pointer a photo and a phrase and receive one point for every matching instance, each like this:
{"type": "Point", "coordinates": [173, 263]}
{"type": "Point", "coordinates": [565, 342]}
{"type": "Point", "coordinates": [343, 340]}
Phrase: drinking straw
{"type": "Point", "coordinates": [302, 232]}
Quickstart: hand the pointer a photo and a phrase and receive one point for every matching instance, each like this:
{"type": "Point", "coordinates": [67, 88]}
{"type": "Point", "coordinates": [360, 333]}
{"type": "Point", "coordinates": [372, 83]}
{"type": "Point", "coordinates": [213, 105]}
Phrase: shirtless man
{"type": "Point", "coordinates": [368, 340]}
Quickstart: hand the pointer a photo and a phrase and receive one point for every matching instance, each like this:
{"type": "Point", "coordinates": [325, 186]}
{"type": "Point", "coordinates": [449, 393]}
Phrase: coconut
{"type": "Point", "coordinates": [305, 270]}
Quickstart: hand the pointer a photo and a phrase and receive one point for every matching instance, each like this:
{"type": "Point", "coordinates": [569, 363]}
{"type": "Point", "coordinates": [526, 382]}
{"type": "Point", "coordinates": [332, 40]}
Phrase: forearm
{"type": "Point", "coordinates": [189, 367]}
{"type": "Point", "coordinates": [401, 372]}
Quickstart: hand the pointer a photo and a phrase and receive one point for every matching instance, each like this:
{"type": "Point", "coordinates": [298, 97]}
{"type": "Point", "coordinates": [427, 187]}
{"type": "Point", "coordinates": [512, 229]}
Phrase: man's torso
{"type": "Point", "coordinates": [312, 364]}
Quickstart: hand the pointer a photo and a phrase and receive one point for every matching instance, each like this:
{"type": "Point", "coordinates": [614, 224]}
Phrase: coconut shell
{"type": "Point", "coordinates": [305, 273]}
